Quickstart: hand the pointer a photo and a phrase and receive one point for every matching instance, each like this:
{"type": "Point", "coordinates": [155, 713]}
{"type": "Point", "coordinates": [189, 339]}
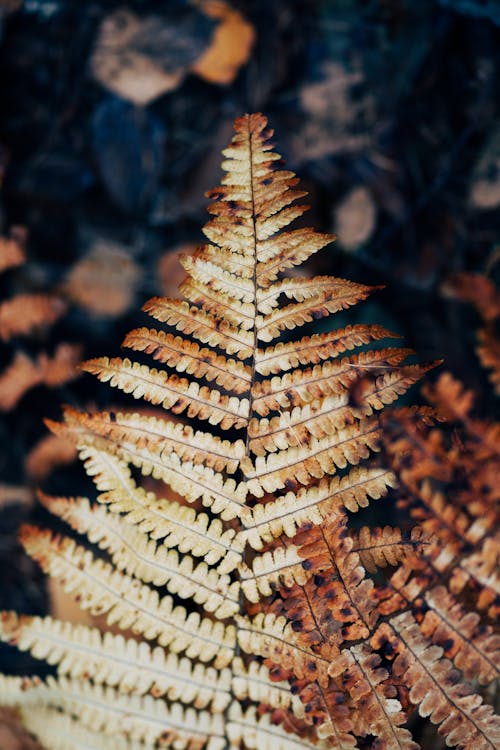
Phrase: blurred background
{"type": "Point", "coordinates": [112, 119]}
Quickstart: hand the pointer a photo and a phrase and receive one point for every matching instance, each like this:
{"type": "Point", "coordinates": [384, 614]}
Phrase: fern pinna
{"type": "Point", "coordinates": [255, 622]}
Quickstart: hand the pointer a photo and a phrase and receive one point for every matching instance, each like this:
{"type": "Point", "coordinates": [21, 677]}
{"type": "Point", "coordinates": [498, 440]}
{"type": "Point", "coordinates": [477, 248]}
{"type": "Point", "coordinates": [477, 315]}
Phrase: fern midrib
{"type": "Point", "coordinates": [347, 589]}
{"type": "Point", "coordinates": [255, 285]}
{"type": "Point", "coordinates": [383, 710]}
{"type": "Point", "coordinates": [144, 715]}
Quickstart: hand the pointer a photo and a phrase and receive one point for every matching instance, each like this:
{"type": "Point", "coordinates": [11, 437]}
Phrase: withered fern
{"type": "Point", "coordinates": [249, 617]}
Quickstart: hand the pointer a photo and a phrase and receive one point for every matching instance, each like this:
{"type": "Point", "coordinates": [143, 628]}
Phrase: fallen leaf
{"type": "Point", "coordinates": [143, 57]}
{"type": "Point", "coordinates": [49, 452]}
{"type": "Point", "coordinates": [12, 252]}
{"type": "Point", "coordinates": [21, 375]}
{"type": "Point", "coordinates": [231, 45]}
{"type": "Point", "coordinates": [104, 280]}
{"type": "Point", "coordinates": [25, 313]}
{"type": "Point", "coordinates": [355, 218]}
{"type": "Point", "coordinates": [62, 366]}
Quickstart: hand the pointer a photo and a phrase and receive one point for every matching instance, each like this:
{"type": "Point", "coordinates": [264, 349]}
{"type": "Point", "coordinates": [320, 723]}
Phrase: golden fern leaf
{"type": "Point", "coordinates": [176, 525]}
{"type": "Point", "coordinates": [282, 640]}
{"type": "Point", "coordinates": [316, 348]}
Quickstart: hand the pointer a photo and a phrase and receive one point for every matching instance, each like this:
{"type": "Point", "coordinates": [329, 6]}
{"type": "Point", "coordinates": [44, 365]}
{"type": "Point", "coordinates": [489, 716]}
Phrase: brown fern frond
{"type": "Point", "coordinates": [489, 354]}
{"type": "Point", "coordinates": [316, 348]}
{"type": "Point", "coordinates": [474, 647]}
{"type": "Point", "coordinates": [186, 356]}
{"type": "Point", "coordinates": [380, 547]}
{"type": "Point", "coordinates": [299, 387]}
{"type": "Point", "coordinates": [460, 714]}
{"type": "Point", "coordinates": [203, 326]}
{"type": "Point", "coordinates": [158, 436]}
{"type": "Point", "coordinates": [484, 295]}
{"type": "Point", "coordinates": [268, 521]}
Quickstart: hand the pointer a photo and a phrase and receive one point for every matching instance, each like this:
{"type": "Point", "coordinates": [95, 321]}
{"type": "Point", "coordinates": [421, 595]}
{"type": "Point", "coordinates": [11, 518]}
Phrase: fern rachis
{"type": "Point", "coordinates": [256, 624]}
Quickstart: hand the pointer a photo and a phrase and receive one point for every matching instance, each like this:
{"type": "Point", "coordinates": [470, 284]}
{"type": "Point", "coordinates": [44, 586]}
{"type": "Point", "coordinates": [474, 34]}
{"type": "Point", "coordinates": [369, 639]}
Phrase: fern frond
{"type": "Point", "coordinates": [177, 525]}
{"type": "Point", "coordinates": [379, 711]}
{"type": "Point", "coordinates": [319, 457]}
{"type": "Point", "coordinates": [332, 378]}
{"type": "Point", "coordinates": [133, 668]}
{"type": "Point", "coordinates": [474, 648]}
{"type": "Point", "coordinates": [188, 356]}
{"type": "Point", "coordinates": [316, 348]}
{"type": "Point", "coordinates": [284, 515]}
{"type": "Point", "coordinates": [254, 682]}
{"type": "Point", "coordinates": [60, 731]}
{"type": "Point", "coordinates": [192, 481]}
{"type": "Point", "coordinates": [284, 642]}
{"type": "Point", "coordinates": [158, 436]}
{"type": "Point", "coordinates": [172, 392]}
{"type": "Point", "coordinates": [322, 416]}
{"type": "Point", "coordinates": [329, 300]}
{"type": "Point", "coordinates": [129, 717]}
{"type": "Point", "coordinates": [101, 588]}
{"type": "Point", "coordinates": [300, 290]}
{"type": "Point", "coordinates": [287, 250]}
{"type": "Point", "coordinates": [461, 716]}
{"type": "Point", "coordinates": [269, 570]}
{"type": "Point", "coordinates": [380, 547]}
{"type": "Point", "coordinates": [338, 604]}
{"type": "Point", "coordinates": [237, 314]}
{"type": "Point", "coordinates": [237, 283]}
{"type": "Point", "coordinates": [133, 552]}
{"type": "Point", "coordinates": [482, 570]}
{"type": "Point", "coordinates": [260, 733]}
{"type": "Point", "coordinates": [273, 638]}
{"type": "Point", "coordinates": [203, 326]}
